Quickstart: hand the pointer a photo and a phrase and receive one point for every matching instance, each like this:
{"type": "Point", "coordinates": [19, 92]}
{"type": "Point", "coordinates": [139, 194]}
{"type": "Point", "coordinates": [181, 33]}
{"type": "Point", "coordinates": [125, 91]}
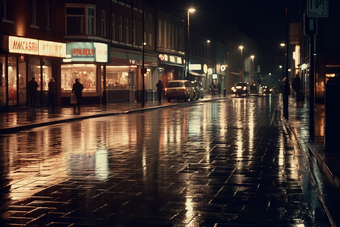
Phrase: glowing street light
{"type": "Point", "coordinates": [241, 48]}
{"type": "Point", "coordinates": [191, 10]}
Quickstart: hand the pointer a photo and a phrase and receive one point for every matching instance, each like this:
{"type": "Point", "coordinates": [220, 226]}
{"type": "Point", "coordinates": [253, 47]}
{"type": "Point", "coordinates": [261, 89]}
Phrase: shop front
{"type": "Point", "coordinates": [124, 81]}
{"type": "Point", "coordinates": [84, 61]}
{"type": "Point", "coordinates": [171, 67]}
{"type": "Point", "coordinates": [23, 59]}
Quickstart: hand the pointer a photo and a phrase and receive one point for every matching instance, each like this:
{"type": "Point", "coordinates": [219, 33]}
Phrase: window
{"type": "Point", "coordinates": [86, 73]}
{"type": "Point", "coordinates": [33, 12]}
{"type": "Point", "coordinates": [47, 14]}
{"type": "Point", "coordinates": [134, 32]}
{"type": "Point", "coordinates": [75, 20]}
{"type": "Point", "coordinates": [103, 23]}
{"type": "Point", "coordinates": [150, 39]}
{"type": "Point", "coordinates": [150, 18]}
{"type": "Point", "coordinates": [6, 6]}
{"type": "Point", "coordinates": [127, 30]}
{"type": "Point", "coordinates": [169, 36]}
{"type": "Point", "coordinates": [120, 29]}
{"type": "Point", "coordinates": [80, 19]}
{"type": "Point", "coordinates": [165, 36]}
{"type": "Point", "coordinates": [159, 33]}
{"type": "Point", "coordinates": [91, 21]}
{"type": "Point", "coordinates": [113, 27]}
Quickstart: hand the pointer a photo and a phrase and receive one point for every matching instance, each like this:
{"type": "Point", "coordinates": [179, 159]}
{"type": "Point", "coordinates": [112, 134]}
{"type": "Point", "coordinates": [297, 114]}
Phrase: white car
{"type": "Point", "coordinates": [180, 89]}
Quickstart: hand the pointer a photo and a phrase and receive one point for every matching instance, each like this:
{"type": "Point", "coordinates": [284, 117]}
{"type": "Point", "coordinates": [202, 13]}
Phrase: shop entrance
{"type": "Point", "coordinates": [12, 81]}
{"type": "Point", "coordinates": [22, 84]}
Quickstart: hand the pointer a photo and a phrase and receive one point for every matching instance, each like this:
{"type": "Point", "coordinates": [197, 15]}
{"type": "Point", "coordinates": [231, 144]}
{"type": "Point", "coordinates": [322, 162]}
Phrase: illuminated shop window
{"type": "Point", "coordinates": [117, 77]}
{"type": "Point", "coordinates": [35, 70]}
{"type": "Point", "coordinates": [12, 80]}
{"type": "Point", "coordinates": [85, 73]}
{"type": "Point", "coordinates": [2, 82]}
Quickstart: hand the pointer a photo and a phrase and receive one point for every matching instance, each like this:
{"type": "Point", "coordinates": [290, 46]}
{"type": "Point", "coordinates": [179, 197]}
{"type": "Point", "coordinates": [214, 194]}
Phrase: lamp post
{"type": "Point", "coordinates": [191, 10]}
{"type": "Point", "coordinates": [241, 48]}
{"type": "Point", "coordinates": [252, 68]}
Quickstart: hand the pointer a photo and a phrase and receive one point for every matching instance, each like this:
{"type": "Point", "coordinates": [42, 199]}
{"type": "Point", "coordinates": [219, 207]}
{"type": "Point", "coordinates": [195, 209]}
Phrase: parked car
{"type": "Point", "coordinates": [180, 90]}
{"type": "Point", "coordinates": [199, 90]}
{"type": "Point", "coordinates": [241, 88]}
{"type": "Point", "coordinates": [267, 90]}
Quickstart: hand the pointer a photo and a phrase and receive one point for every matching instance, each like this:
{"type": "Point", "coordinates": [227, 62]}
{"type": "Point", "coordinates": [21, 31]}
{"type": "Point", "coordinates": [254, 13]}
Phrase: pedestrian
{"type": "Point", "coordinates": [51, 93]}
{"type": "Point", "coordinates": [296, 85]}
{"type": "Point", "coordinates": [285, 88]}
{"type": "Point", "coordinates": [159, 86]}
{"type": "Point", "coordinates": [77, 91]}
{"type": "Point", "coordinates": [32, 87]}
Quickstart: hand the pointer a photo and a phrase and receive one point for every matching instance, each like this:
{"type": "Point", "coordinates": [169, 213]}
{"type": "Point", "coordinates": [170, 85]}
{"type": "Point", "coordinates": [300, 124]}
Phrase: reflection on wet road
{"type": "Point", "coordinates": [209, 164]}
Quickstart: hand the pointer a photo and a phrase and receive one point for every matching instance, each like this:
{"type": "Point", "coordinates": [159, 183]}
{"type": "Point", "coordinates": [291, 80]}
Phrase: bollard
{"type": "Point", "coordinates": [104, 98]}
{"type": "Point", "coordinates": [332, 120]}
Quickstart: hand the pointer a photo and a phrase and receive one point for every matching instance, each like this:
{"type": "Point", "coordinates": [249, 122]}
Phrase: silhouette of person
{"type": "Point", "coordinates": [51, 93]}
{"type": "Point", "coordinates": [296, 85]}
{"type": "Point", "coordinates": [77, 91]}
{"type": "Point", "coordinates": [32, 87]}
{"type": "Point", "coordinates": [159, 86]}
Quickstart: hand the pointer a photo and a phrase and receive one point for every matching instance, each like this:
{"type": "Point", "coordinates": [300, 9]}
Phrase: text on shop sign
{"type": "Point", "coordinates": [82, 52]}
{"type": "Point", "coordinates": [36, 47]}
{"type": "Point", "coordinates": [23, 45]}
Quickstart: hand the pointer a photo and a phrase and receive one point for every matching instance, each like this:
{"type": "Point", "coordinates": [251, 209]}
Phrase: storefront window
{"type": "Point", "coordinates": [85, 73]}
{"type": "Point", "coordinates": [34, 71]}
{"type": "Point", "coordinates": [2, 82]}
{"type": "Point", "coordinates": [47, 73]}
{"type": "Point", "coordinates": [148, 79]}
{"type": "Point", "coordinates": [12, 80]}
{"type": "Point", "coordinates": [117, 77]}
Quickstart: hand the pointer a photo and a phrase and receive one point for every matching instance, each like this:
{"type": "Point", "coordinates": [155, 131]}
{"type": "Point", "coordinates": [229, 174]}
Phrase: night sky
{"type": "Point", "coordinates": [262, 20]}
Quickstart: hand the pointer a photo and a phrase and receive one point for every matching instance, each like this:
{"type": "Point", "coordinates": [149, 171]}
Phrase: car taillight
{"type": "Point", "coordinates": [185, 89]}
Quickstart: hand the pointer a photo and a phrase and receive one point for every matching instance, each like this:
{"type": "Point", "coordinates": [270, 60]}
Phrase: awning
{"type": "Point", "coordinates": [196, 74]}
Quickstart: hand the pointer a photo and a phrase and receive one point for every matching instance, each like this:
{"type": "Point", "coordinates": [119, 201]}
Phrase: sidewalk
{"type": "Point", "coordinates": [20, 119]}
{"type": "Point", "coordinates": [328, 162]}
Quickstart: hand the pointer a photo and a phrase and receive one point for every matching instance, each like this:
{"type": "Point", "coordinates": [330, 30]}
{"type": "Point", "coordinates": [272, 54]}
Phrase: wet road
{"type": "Point", "coordinates": [225, 163]}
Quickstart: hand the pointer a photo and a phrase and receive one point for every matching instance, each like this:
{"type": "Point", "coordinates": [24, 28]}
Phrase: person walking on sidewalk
{"type": "Point", "coordinates": [77, 91]}
{"type": "Point", "coordinates": [159, 86]}
{"type": "Point", "coordinates": [296, 85]}
{"type": "Point", "coordinates": [32, 87]}
{"type": "Point", "coordinates": [51, 93]}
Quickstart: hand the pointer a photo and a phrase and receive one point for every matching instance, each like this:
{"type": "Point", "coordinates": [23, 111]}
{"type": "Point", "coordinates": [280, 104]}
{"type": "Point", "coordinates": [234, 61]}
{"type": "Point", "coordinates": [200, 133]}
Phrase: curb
{"type": "Point", "coordinates": [288, 126]}
{"type": "Point", "coordinates": [47, 123]}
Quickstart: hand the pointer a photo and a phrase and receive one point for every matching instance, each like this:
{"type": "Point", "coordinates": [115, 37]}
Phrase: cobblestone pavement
{"type": "Point", "coordinates": [224, 163]}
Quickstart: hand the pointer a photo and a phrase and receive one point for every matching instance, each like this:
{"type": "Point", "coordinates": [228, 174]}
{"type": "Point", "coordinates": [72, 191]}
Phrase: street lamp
{"type": "Point", "coordinates": [241, 48]}
{"type": "Point", "coordinates": [191, 10]}
{"type": "Point", "coordinates": [252, 68]}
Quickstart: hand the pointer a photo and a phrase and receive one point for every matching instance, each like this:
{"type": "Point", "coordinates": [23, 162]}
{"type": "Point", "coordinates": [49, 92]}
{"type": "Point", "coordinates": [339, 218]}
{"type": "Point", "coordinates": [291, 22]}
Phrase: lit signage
{"type": "Point", "coordinates": [205, 68]}
{"type": "Point", "coordinates": [52, 49]}
{"type": "Point", "coordinates": [195, 67]}
{"type": "Point", "coordinates": [223, 67]}
{"type": "Point", "coordinates": [36, 47]}
{"type": "Point", "coordinates": [170, 58]}
{"type": "Point", "coordinates": [101, 52]}
{"type": "Point", "coordinates": [214, 76]}
{"type": "Point", "coordinates": [210, 71]}
{"type": "Point", "coordinates": [90, 51]}
{"type": "Point", "coordinates": [23, 45]}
